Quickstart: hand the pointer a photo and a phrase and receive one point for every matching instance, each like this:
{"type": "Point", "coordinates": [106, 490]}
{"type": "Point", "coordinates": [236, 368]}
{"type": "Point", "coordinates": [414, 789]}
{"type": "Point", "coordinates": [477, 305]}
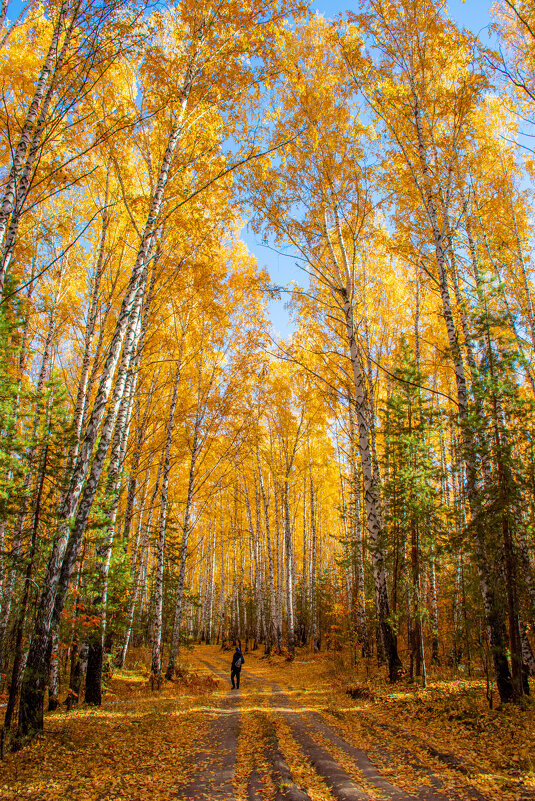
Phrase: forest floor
{"type": "Point", "coordinates": [291, 733]}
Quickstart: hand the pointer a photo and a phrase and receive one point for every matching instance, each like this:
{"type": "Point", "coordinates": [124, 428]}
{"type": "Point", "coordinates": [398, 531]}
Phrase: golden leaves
{"type": "Point", "coordinates": [137, 746]}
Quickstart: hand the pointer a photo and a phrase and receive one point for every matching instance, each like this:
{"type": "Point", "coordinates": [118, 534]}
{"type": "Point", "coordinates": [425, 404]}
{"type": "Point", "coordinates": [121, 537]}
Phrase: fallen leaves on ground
{"type": "Point", "coordinates": [143, 744]}
{"type": "Point", "coordinates": [135, 747]}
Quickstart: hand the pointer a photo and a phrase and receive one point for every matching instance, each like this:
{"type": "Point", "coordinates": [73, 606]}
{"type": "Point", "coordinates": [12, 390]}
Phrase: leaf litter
{"type": "Point", "coordinates": [142, 744]}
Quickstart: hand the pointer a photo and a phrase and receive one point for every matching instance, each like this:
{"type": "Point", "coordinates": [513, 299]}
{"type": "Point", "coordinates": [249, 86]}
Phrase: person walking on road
{"type": "Point", "coordinates": [235, 670]}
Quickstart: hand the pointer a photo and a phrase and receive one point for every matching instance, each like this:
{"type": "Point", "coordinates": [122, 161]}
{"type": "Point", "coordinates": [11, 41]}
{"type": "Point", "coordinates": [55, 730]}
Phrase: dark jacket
{"type": "Point", "coordinates": [237, 660]}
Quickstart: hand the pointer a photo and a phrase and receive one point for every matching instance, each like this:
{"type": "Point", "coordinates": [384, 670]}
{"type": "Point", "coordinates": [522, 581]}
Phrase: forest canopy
{"type": "Point", "coordinates": [170, 469]}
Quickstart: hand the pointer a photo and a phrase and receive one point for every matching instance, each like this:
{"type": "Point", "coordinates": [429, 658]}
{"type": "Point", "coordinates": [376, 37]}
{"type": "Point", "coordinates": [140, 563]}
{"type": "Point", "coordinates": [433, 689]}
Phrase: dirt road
{"type": "Point", "coordinates": [273, 740]}
{"type": "Point", "coordinates": [291, 733]}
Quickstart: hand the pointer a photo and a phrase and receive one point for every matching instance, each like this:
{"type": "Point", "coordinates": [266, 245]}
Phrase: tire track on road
{"type": "Point", "coordinates": [213, 773]}
{"type": "Point", "coordinates": [410, 757]}
{"type": "Point", "coordinates": [281, 774]}
{"type": "Point", "coordinates": [340, 782]}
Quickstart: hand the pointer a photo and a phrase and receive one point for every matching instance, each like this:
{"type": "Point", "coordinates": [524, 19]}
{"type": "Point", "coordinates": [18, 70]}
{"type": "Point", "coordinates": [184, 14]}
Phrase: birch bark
{"type": "Point", "coordinates": [33, 686]}
{"type": "Point", "coordinates": [186, 531]}
{"type": "Point", "coordinates": [81, 397]}
{"type": "Point", "coordinates": [288, 551]}
{"type": "Point", "coordinates": [25, 172]}
{"type": "Point", "coordinates": [156, 666]}
{"type": "Point", "coordinates": [119, 446]}
{"type": "Point", "coordinates": [104, 550]}
{"type": "Point", "coordinates": [493, 610]}
{"type": "Point", "coordinates": [258, 578]}
{"type": "Point", "coordinates": [134, 465]}
{"type": "Point", "coordinates": [313, 569]}
{"type": "Point", "coordinates": [10, 192]}
{"type": "Point", "coordinates": [343, 292]}
{"type": "Point", "coordinates": [138, 566]}
{"type": "Point", "coordinates": [221, 609]}
{"type": "Point", "coordinates": [356, 535]}
{"type": "Point", "coordinates": [272, 639]}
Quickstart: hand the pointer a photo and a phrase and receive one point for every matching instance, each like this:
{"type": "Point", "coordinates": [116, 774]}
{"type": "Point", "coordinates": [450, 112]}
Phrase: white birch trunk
{"type": "Point", "coordinates": [33, 686]}
{"type": "Point", "coordinates": [186, 531]}
{"type": "Point", "coordinates": [272, 630]}
{"type": "Point", "coordinates": [25, 173]}
{"type": "Point", "coordinates": [374, 523]}
{"type": "Point", "coordinates": [356, 535]}
{"type": "Point", "coordinates": [315, 634]}
{"type": "Point", "coordinates": [279, 552]}
{"type": "Point", "coordinates": [288, 550]}
{"type": "Point", "coordinates": [81, 398]}
{"type": "Point", "coordinates": [19, 157]}
{"type": "Point", "coordinates": [493, 612]}
{"type": "Point", "coordinates": [156, 666]}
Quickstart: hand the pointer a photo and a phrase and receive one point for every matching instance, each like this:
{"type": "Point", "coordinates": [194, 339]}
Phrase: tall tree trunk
{"type": "Point", "coordinates": [95, 660]}
{"type": "Point", "coordinates": [435, 657]}
{"type": "Point", "coordinates": [89, 333]}
{"type": "Point", "coordinates": [33, 686]}
{"type": "Point", "coordinates": [221, 609]}
{"type": "Point", "coordinates": [303, 634]}
{"type": "Point", "coordinates": [374, 523]}
{"type": "Point", "coordinates": [156, 666]}
{"type": "Point", "coordinates": [288, 550]}
{"type": "Point", "coordinates": [10, 192]}
{"type": "Point", "coordinates": [186, 531]}
{"type": "Point", "coordinates": [137, 566]}
{"type": "Point", "coordinates": [24, 176]}
{"type": "Point", "coordinates": [134, 464]}
{"type": "Point", "coordinates": [280, 560]}
{"type": "Point", "coordinates": [356, 536]}
{"type": "Point", "coordinates": [272, 630]}
{"type": "Point", "coordinates": [315, 634]}
{"type": "Point", "coordinates": [258, 578]}
{"type": "Point", "coordinates": [493, 609]}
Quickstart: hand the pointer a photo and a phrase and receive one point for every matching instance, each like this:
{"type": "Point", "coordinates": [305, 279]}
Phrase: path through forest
{"type": "Point", "coordinates": [290, 733]}
{"type": "Point", "coordinates": [323, 756]}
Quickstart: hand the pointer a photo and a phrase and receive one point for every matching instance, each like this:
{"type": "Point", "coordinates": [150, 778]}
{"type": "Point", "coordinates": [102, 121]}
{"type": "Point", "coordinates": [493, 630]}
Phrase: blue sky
{"type": "Point", "coordinates": [472, 14]}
